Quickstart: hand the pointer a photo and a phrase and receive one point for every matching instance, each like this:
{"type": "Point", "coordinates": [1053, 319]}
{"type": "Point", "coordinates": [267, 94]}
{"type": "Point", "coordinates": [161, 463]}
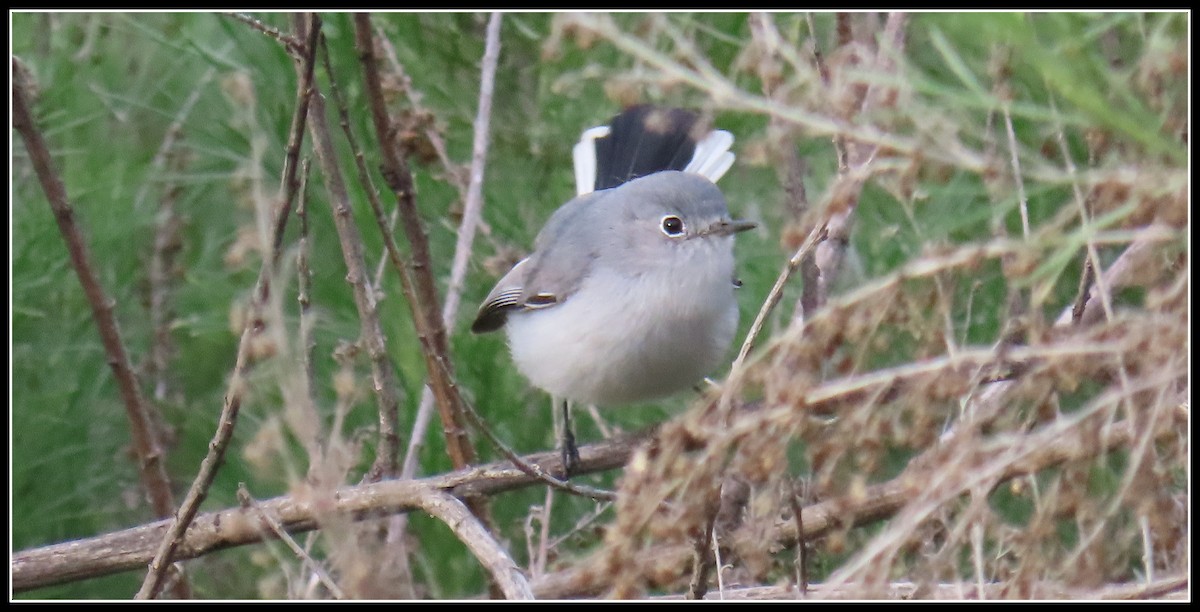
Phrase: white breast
{"type": "Point", "coordinates": [623, 339]}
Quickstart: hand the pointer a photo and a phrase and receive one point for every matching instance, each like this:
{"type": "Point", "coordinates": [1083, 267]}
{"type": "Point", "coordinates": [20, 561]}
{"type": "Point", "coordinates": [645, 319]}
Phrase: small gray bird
{"type": "Point", "coordinates": [629, 292]}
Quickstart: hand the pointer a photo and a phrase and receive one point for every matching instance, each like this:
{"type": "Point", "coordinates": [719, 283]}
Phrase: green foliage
{"type": "Point", "coordinates": [109, 86]}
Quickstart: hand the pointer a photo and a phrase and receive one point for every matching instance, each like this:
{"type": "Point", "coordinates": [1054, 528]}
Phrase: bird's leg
{"type": "Point", "coordinates": [570, 454]}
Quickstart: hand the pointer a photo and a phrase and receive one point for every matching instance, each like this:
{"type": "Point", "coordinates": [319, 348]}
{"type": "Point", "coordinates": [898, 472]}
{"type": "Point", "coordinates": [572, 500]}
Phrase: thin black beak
{"type": "Point", "coordinates": [728, 228]}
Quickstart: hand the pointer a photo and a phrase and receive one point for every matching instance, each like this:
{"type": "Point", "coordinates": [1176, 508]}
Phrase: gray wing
{"type": "Point", "coordinates": [563, 253]}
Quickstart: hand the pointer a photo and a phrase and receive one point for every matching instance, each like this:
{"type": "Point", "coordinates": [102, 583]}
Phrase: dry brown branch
{"type": "Point", "coordinates": [146, 442]}
{"type": "Point", "coordinates": [384, 384]}
{"type": "Point", "coordinates": [472, 216]}
{"type": "Point", "coordinates": [426, 316]}
{"type": "Point", "coordinates": [844, 195]}
{"type": "Point", "coordinates": [244, 360]}
{"type": "Point", "coordinates": [132, 548]}
{"type": "Point", "coordinates": [1006, 457]}
{"type": "Point", "coordinates": [775, 295]}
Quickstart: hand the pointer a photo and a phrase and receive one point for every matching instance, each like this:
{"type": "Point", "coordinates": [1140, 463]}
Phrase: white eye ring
{"type": "Point", "coordinates": [671, 226]}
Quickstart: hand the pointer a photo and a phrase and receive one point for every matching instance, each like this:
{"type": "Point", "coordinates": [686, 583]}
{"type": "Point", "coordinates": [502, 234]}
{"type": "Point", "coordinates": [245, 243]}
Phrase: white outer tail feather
{"type": "Point", "coordinates": [584, 155]}
{"type": "Point", "coordinates": [712, 158]}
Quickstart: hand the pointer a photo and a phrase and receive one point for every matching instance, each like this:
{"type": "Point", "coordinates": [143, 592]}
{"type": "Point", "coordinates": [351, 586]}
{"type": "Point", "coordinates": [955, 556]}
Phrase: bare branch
{"type": "Point", "coordinates": [472, 215]}
{"type": "Point", "coordinates": [430, 330]}
{"type": "Point", "coordinates": [387, 394]}
{"type": "Point", "coordinates": [147, 446]}
{"type": "Point", "coordinates": [133, 548]}
{"type": "Point", "coordinates": [470, 531]}
{"type": "Point", "coordinates": [253, 327]}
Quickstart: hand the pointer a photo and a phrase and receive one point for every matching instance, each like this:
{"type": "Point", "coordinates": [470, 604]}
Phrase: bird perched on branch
{"type": "Point", "coordinates": [629, 292]}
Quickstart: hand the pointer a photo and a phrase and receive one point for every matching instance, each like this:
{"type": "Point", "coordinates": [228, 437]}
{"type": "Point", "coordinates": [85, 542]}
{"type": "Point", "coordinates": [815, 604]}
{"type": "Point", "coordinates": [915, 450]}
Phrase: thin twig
{"type": "Point", "coordinates": [538, 559]}
{"type": "Point", "coordinates": [977, 558]}
{"type": "Point", "coordinates": [839, 141]}
{"type": "Point", "coordinates": [244, 360]}
{"type": "Point", "coordinates": [765, 34]}
{"type": "Point", "coordinates": [160, 277]}
{"type": "Point", "coordinates": [473, 206]}
{"type": "Point", "coordinates": [716, 550]}
{"type": "Point", "coordinates": [1015, 159]}
{"type": "Point", "coordinates": [1086, 281]}
{"type": "Point", "coordinates": [472, 214]}
{"type": "Point", "coordinates": [304, 288]}
{"type": "Point", "coordinates": [1013, 327]}
{"type": "Point", "coordinates": [801, 538]}
{"type": "Point", "coordinates": [382, 371]}
{"type": "Point", "coordinates": [387, 395]}
{"type": "Point", "coordinates": [774, 296]}
{"type": "Point", "coordinates": [247, 501]}
{"type": "Point", "coordinates": [1084, 221]}
{"type": "Point", "coordinates": [532, 469]}
{"type": "Point", "coordinates": [454, 172]}
{"type": "Point", "coordinates": [1147, 548]}
{"type": "Point", "coordinates": [290, 43]}
{"type": "Point", "coordinates": [859, 156]}
{"type": "Point", "coordinates": [582, 523]}
{"type": "Point", "coordinates": [430, 330]}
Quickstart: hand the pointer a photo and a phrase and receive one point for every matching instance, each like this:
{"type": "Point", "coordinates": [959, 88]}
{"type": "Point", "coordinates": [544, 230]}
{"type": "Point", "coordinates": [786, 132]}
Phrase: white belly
{"type": "Point", "coordinates": [594, 348]}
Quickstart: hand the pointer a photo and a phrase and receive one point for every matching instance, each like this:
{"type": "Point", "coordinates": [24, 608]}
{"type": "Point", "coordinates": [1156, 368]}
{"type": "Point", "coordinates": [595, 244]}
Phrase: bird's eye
{"type": "Point", "coordinates": [672, 225]}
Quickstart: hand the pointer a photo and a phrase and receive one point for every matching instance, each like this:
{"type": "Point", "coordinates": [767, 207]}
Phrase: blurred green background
{"type": "Point", "coordinates": [110, 84]}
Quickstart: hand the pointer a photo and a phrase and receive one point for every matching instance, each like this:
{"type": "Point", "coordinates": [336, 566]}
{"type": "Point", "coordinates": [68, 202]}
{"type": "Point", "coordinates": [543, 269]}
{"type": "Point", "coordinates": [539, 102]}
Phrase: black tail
{"type": "Point", "coordinates": [643, 140]}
